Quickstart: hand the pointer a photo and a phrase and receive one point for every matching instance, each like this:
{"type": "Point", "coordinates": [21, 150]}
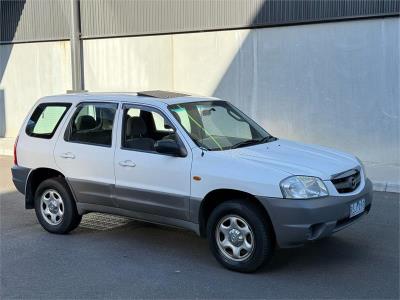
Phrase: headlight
{"type": "Point", "coordinates": [302, 187]}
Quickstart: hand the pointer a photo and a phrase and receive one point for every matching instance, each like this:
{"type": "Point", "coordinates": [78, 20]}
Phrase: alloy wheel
{"type": "Point", "coordinates": [52, 207]}
{"type": "Point", "coordinates": [235, 238]}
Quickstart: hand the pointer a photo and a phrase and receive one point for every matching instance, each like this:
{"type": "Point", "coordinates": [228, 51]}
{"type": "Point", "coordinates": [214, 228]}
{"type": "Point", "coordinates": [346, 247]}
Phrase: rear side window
{"type": "Point", "coordinates": [92, 123]}
{"type": "Point", "coordinates": [45, 119]}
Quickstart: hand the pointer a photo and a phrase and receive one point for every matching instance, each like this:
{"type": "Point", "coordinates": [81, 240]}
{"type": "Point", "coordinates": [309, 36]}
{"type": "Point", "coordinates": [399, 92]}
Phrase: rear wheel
{"type": "Point", "coordinates": [240, 236]}
{"type": "Point", "coordinates": [55, 207]}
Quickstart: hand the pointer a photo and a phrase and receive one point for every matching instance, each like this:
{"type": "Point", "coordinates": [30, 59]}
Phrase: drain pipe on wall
{"type": "Point", "coordinates": [76, 48]}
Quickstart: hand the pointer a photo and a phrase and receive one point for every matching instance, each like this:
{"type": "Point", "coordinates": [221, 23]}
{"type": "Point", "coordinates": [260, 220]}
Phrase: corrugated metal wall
{"type": "Point", "coordinates": [34, 20]}
{"type": "Point", "coordinates": [139, 17]}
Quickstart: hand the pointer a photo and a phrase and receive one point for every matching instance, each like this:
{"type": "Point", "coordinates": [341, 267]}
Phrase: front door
{"type": "Point", "coordinates": [85, 153]}
{"type": "Point", "coordinates": [146, 181]}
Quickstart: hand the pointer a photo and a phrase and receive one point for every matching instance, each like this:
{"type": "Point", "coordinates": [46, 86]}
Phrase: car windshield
{"type": "Point", "coordinates": [218, 125]}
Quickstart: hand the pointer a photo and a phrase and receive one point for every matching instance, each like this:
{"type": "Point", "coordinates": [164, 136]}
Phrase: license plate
{"type": "Point", "coordinates": [357, 208]}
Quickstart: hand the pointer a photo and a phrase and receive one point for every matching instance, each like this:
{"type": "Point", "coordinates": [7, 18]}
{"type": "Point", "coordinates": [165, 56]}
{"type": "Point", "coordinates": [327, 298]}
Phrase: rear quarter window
{"type": "Point", "coordinates": [45, 119]}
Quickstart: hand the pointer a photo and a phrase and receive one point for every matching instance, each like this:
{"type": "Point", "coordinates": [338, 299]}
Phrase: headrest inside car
{"type": "Point", "coordinates": [136, 127]}
{"type": "Point", "coordinates": [85, 123]}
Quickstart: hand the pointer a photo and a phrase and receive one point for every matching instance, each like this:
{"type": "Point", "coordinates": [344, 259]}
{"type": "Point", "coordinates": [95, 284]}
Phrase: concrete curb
{"type": "Point", "coordinates": [389, 187]}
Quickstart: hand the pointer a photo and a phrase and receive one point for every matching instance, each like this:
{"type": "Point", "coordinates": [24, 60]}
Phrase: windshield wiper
{"type": "Point", "coordinates": [266, 139]}
{"type": "Point", "coordinates": [245, 143]}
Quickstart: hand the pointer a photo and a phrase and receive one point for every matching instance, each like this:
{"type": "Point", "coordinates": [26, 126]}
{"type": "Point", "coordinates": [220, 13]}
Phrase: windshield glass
{"type": "Point", "coordinates": [218, 125]}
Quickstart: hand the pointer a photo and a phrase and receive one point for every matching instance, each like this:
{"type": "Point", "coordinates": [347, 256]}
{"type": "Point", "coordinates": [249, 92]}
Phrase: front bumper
{"type": "Point", "coordinates": [298, 221]}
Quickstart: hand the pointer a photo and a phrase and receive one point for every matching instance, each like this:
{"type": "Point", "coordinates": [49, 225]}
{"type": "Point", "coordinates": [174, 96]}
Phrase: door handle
{"type": "Point", "coordinates": [67, 155]}
{"type": "Point", "coordinates": [127, 163]}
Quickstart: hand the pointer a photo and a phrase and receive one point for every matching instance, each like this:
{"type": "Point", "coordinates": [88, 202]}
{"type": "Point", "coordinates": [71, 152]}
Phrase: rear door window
{"type": "Point", "coordinates": [45, 119]}
{"type": "Point", "coordinates": [92, 123]}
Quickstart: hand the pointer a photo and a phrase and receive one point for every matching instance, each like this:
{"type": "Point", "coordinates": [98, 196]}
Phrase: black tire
{"type": "Point", "coordinates": [263, 235]}
{"type": "Point", "coordinates": [70, 219]}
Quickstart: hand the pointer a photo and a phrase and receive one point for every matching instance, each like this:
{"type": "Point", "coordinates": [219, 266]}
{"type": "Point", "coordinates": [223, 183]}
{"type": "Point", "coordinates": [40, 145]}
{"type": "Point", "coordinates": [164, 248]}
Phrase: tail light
{"type": "Point", "coordinates": [15, 152]}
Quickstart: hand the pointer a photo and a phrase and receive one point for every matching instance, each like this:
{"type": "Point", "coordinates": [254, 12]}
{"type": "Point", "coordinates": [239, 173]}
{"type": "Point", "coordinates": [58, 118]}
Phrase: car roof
{"type": "Point", "coordinates": [156, 98]}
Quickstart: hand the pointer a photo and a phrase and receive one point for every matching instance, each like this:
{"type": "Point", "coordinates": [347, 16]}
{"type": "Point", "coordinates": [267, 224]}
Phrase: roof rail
{"type": "Point", "coordinates": [76, 91]}
{"type": "Point", "coordinates": [161, 94]}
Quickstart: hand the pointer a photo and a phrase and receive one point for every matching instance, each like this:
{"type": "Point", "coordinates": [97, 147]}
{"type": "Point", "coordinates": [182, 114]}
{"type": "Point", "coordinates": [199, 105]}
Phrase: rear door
{"type": "Point", "coordinates": [147, 181]}
{"type": "Point", "coordinates": [85, 152]}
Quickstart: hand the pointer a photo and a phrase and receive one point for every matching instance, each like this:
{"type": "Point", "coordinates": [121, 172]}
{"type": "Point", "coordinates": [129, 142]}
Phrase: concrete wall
{"type": "Point", "coordinates": [128, 64]}
{"type": "Point", "coordinates": [28, 72]}
{"type": "Point", "coordinates": [335, 84]}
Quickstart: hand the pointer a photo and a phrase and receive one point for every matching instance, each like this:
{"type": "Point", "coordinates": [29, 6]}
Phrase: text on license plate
{"type": "Point", "coordinates": [357, 208]}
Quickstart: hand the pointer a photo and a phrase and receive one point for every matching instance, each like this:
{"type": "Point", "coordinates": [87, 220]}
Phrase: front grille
{"type": "Point", "coordinates": [347, 182]}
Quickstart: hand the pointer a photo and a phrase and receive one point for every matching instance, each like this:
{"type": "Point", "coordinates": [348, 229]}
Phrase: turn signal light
{"type": "Point", "coordinates": [15, 151]}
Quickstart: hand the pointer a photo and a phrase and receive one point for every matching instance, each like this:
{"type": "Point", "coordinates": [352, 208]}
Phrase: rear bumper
{"type": "Point", "coordinates": [298, 221]}
{"type": "Point", "coordinates": [19, 176]}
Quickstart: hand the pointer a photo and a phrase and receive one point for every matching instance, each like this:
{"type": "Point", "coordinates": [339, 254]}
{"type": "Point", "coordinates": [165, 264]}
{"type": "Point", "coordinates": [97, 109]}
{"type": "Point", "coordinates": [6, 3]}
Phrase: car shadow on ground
{"type": "Point", "coordinates": [317, 253]}
{"type": "Point", "coordinates": [187, 244]}
{"type": "Point", "coordinates": [128, 233]}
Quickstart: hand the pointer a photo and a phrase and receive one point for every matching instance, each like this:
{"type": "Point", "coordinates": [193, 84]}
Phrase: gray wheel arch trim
{"type": "Point", "coordinates": [20, 177]}
{"type": "Point", "coordinates": [22, 181]}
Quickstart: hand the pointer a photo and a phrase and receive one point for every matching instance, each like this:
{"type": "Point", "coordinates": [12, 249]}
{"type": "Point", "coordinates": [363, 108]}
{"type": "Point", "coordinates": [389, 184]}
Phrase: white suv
{"type": "Point", "coordinates": [191, 162]}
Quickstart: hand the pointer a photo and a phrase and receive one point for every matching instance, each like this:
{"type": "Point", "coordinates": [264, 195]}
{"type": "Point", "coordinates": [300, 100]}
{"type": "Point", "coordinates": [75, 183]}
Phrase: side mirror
{"type": "Point", "coordinates": [169, 127]}
{"type": "Point", "coordinates": [170, 147]}
{"type": "Point", "coordinates": [207, 112]}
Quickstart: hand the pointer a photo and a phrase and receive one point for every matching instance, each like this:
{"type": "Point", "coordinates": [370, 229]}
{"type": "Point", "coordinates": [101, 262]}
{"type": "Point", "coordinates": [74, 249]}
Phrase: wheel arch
{"type": "Point", "coordinates": [216, 197]}
{"type": "Point", "coordinates": [36, 177]}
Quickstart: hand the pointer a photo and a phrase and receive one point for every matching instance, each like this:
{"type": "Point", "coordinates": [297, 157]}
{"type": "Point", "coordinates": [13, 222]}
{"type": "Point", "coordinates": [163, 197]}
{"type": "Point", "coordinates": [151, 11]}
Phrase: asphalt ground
{"type": "Point", "coordinates": [118, 258]}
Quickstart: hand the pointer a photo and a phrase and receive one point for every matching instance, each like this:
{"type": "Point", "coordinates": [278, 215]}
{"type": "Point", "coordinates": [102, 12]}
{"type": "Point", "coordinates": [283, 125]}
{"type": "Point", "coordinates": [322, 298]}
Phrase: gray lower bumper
{"type": "Point", "coordinates": [19, 176]}
{"type": "Point", "coordinates": [298, 221]}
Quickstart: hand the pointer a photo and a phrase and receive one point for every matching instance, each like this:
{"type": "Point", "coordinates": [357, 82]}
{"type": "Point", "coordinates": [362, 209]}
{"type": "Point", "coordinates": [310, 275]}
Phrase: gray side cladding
{"type": "Point", "coordinates": [130, 199]}
{"type": "Point", "coordinates": [30, 20]}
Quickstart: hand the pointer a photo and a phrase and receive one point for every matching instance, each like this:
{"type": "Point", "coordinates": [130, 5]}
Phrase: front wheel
{"type": "Point", "coordinates": [240, 236]}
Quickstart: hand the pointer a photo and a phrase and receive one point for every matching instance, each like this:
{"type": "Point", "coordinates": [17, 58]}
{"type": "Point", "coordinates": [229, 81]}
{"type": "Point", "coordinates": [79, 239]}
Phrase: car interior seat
{"type": "Point", "coordinates": [135, 135]}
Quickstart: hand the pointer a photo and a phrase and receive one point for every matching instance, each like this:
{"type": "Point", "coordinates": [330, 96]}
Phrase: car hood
{"type": "Point", "coordinates": [299, 159]}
